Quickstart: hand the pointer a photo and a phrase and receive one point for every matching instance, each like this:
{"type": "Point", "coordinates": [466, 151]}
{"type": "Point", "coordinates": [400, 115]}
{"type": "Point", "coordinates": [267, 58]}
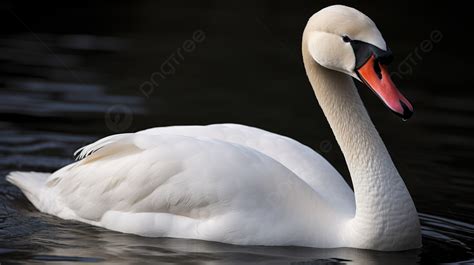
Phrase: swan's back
{"type": "Point", "coordinates": [201, 182]}
{"type": "Point", "coordinates": [307, 164]}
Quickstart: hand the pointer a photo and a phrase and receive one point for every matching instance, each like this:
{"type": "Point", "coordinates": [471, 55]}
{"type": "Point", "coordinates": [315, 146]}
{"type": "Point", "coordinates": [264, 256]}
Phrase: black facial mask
{"type": "Point", "coordinates": [363, 51]}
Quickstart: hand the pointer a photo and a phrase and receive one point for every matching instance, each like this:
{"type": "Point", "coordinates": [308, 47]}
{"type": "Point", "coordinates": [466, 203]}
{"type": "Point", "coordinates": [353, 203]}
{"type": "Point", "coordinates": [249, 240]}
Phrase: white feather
{"type": "Point", "coordinates": [237, 184]}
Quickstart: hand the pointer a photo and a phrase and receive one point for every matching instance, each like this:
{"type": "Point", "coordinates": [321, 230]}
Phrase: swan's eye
{"type": "Point", "coordinates": [345, 38]}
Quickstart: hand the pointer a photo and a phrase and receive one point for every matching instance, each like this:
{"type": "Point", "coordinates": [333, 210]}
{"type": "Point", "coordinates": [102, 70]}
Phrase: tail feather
{"type": "Point", "coordinates": [30, 183]}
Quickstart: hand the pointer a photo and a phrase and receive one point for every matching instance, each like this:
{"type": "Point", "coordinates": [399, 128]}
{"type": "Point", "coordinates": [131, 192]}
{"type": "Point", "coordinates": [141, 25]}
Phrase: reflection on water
{"type": "Point", "coordinates": [61, 91]}
{"type": "Point", "coordinates": [51, 239]}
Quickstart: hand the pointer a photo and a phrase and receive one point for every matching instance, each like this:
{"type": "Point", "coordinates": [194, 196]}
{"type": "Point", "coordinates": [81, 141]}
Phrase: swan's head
{"type": "Point", "coordinates": [343, 39]}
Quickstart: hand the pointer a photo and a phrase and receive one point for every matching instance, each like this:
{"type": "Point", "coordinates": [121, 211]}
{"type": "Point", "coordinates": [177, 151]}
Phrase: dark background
{"type": "Point", "coordinates": [71, 73]}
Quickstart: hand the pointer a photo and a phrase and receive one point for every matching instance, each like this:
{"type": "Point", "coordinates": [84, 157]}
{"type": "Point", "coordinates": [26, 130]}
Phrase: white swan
{"type": "Point", "coordinates": [241, 185]}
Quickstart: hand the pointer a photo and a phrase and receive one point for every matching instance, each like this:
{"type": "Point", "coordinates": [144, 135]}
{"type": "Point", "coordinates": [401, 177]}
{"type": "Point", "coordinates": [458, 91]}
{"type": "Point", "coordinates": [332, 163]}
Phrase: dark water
{"type": "Point", "coordinates": [69, 76]}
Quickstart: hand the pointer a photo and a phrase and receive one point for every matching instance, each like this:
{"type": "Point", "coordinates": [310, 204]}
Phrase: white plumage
{"type": "Point", "coordinates": [227, 183]}
{"type": "Point", "coordinates": [241, 185]}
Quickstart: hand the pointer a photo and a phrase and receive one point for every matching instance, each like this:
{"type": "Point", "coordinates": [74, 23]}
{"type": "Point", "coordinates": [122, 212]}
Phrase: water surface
{"type": "Point", "coordinates": [70, 76]}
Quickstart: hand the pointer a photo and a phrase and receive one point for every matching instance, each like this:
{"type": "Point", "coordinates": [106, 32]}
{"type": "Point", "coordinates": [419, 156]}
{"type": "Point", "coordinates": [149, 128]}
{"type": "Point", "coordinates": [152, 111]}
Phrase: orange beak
{"type": "Point", "coordinates": [376, 76]}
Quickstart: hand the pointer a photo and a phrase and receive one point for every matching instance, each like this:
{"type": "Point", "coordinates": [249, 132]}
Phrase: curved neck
{"type": "Point", "coordinates": [382, 200]}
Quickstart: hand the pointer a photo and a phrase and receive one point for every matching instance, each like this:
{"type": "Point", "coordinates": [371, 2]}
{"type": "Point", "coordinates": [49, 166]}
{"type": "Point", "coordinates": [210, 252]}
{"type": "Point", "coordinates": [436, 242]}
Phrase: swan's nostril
{"type": "Point", "coordinates": [377, 69]}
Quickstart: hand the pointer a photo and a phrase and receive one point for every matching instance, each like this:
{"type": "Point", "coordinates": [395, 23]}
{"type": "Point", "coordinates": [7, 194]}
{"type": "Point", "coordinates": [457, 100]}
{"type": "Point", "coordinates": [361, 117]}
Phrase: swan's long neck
{"type": "Point", "coordinates": [384, 207]}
